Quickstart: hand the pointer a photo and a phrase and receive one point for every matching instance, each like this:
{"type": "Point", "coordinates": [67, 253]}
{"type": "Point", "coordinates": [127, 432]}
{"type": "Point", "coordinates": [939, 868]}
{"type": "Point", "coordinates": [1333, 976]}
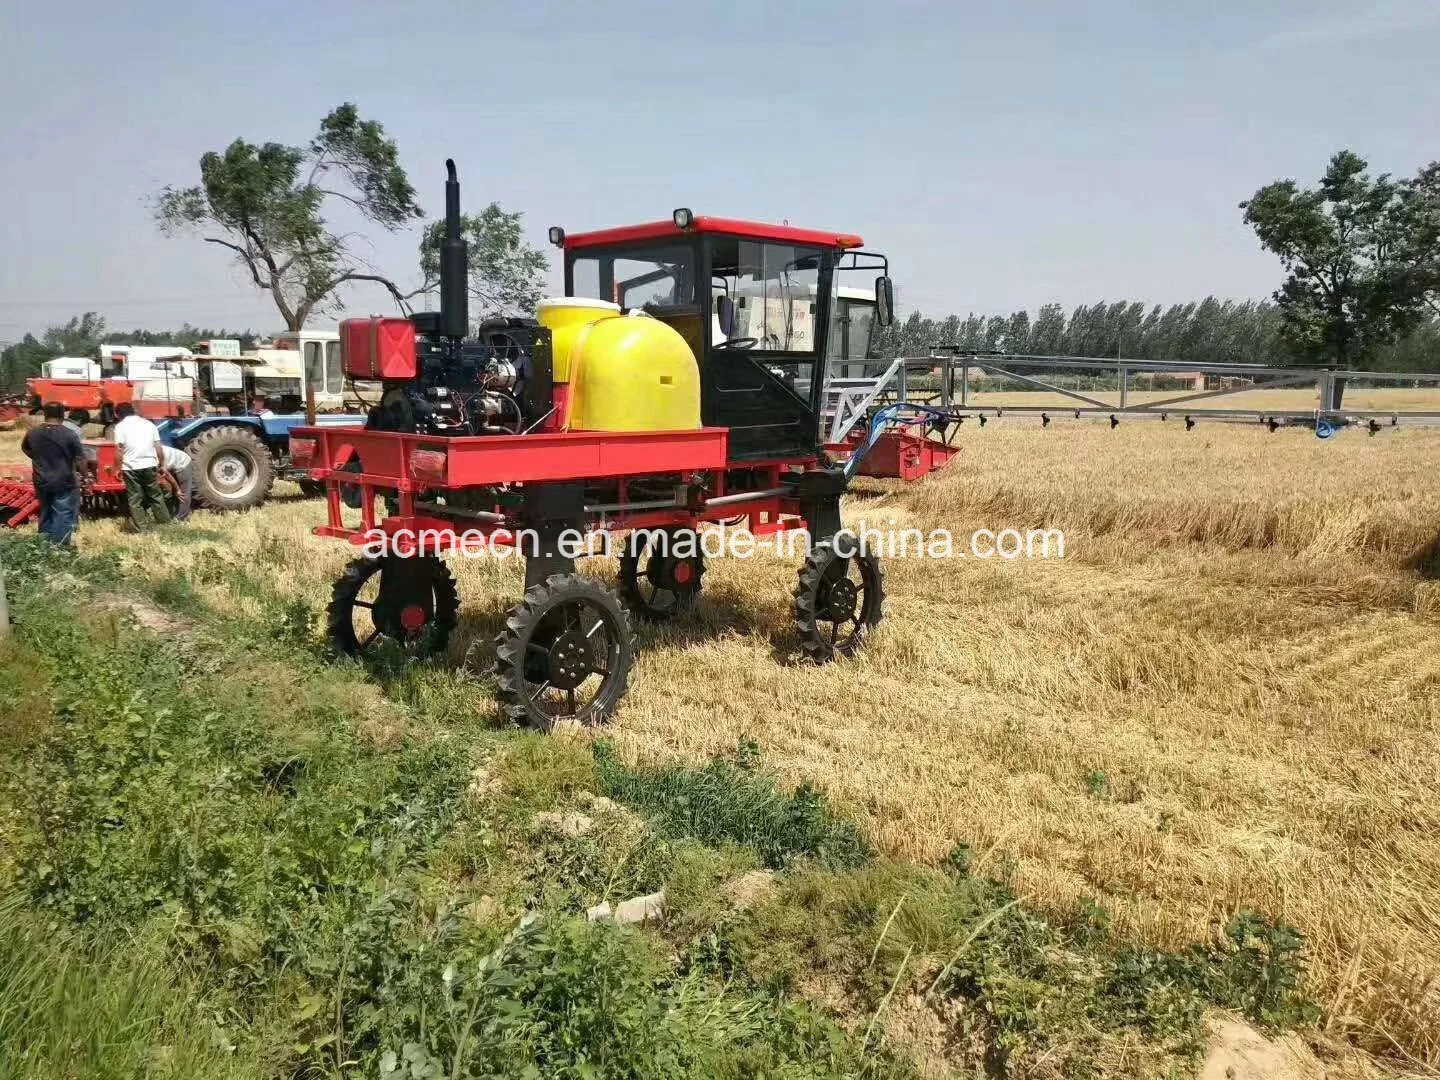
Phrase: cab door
{"type": "Point", "coordinates": [760, 379]}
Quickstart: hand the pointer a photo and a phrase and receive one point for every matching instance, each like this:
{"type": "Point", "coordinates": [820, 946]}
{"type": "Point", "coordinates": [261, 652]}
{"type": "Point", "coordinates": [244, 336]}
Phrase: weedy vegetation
{"type": "Point", "coordinates": [1054, 818]}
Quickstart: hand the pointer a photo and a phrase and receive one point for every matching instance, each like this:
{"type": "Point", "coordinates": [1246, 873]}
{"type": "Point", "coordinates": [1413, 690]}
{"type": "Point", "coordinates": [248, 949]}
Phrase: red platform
{"type": "Point", "coordinates": [92, 395]}
{"type": "Point", "coordinates": [899, 453]}
{"type": "Point", "coordinates": [407, 462]}
{"type": "Point", "coordinates": [409, 466]}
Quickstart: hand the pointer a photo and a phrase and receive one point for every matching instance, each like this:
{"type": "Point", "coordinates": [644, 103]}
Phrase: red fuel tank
{"type": "Point", "coordinates": [378, 348]}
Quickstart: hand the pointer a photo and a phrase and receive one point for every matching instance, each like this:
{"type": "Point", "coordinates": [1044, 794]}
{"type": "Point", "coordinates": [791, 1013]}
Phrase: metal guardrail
{"type": "Point", "coordinates": [848, 400]}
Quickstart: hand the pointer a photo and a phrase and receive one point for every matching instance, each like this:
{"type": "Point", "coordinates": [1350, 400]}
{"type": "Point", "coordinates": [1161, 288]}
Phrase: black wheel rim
{"type": "Point", "coordinates": [412, 628]}
{"type": "Point", "coordinates": [669, 584]}
{"type": "Point", "coordinates": [652, 588]}
{"type": "Point", "coordinates": [571, 660]}
{"type": "Point", "coordinates": [842, 602]}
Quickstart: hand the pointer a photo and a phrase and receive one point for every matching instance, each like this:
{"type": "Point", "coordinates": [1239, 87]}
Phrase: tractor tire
{"type": "Point", "coordinates": [563, 633]}
{"type": "Point", "coordinates": [417, 613]}
{"type": "Point", "coordinates": [668, 586]}
{"type": "Point", "coordinates": [233, 468]}
{"type": "Point", "coordinates": [838, 601]}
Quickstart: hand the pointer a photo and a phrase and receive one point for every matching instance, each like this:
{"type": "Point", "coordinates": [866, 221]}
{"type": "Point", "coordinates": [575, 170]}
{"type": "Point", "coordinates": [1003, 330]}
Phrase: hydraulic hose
{"type": "Point", "coordinates": [890, 416]}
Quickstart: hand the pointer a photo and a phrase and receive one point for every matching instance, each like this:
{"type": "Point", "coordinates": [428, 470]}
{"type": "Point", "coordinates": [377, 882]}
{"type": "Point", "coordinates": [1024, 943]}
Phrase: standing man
{"type": "Point", "coordinates": [57, 456]}
{"type": "Point", "coordinates": [137, 442]}
{"type": "Point", "coordinates": [177, 463]}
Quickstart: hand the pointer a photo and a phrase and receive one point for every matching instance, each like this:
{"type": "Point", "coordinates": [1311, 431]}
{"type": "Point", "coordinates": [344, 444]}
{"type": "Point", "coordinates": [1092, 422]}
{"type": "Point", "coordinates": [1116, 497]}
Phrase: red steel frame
{"type": "Point", "coordinates": [405, 465]}
{"type": "Point", "coordinates": [904, 452]}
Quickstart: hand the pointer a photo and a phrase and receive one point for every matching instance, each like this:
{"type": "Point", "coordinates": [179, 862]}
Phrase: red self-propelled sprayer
{"type": "Point", "coordinates": [676, 383]}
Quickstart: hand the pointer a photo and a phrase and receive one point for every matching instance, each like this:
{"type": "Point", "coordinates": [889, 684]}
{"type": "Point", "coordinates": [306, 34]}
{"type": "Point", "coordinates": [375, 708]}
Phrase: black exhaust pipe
{"type": "Point", "coordinates": [454, 264]}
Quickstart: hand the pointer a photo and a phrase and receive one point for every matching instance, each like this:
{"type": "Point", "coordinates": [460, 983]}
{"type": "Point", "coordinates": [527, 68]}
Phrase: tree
{"type": "Point", "coordinates": [1350, 249]}
{"type": "Point", "coordinates": [78, 336]}
{"type": "Point", "coordinates": [1420, 199]}
{"type": "Point", "coordinates": [21, 361]}
{"type": "Point", "coordinates": [507, 275]}
{"type": "Point", "coordinates": [267, 206]}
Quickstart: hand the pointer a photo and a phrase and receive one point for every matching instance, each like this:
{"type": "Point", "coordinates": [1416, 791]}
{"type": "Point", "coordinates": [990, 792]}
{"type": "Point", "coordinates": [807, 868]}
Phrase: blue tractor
{"type": "Point", "coordinates": [238, 458]}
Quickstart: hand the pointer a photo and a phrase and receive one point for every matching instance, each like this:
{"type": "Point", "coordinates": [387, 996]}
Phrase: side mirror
{"type": "Point", "coordinates": [884, 301]}
{"type": "Point", "coordinates": [725, 312]}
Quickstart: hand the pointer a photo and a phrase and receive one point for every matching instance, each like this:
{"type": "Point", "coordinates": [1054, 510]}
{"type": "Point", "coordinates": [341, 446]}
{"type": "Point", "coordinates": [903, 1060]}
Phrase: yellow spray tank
{"type": "Point", "coordinates": [624, 372]}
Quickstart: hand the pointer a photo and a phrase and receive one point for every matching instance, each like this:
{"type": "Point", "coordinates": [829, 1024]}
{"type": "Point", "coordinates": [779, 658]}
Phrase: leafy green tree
{"type": "Point", "coordinates": [1350, 249]}
{"type": "Point", "coordinates": [1048, 336]}
{"type": "Point", "coordinates": [79, 336]}
{"type": "Point", "coordinates": [506, 274]}
{"type": "Point", "coordinates": [1420, 199]}
{"type": "Point", "coordinates": [21, 361]}
{"type": "Point", "coordinates": [267, 205]}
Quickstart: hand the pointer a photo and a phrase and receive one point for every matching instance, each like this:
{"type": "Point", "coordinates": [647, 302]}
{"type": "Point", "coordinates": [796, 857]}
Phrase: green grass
{"type": "Point", "coordinates": [71, 1008]}
{"type": "Point", "coordinates": [203, 848]}
{"type": "Point", "coordinates": [731, 800]}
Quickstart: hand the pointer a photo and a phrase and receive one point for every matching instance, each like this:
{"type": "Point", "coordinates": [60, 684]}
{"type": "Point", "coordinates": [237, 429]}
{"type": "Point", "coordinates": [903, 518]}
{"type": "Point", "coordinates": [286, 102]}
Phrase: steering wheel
{"type": "Point", "coordinates": [736, 343]}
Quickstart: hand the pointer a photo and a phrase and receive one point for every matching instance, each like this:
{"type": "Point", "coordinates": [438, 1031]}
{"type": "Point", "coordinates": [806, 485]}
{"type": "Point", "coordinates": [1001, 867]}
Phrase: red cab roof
{"type": "Point", "coordinates": [751, 230]}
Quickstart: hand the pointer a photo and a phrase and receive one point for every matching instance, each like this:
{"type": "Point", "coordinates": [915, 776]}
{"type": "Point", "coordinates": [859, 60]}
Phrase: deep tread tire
{"type": "Point", "coordinates": [220, 446]}
{"type": "Point", "coordinates": [633, 582]}
{"type": "Point", "coordinates": [811, 592]}
{"type": "Point", "coordinates": [521, 625]}
{"type": "Point", "coordinates": [340, 620]}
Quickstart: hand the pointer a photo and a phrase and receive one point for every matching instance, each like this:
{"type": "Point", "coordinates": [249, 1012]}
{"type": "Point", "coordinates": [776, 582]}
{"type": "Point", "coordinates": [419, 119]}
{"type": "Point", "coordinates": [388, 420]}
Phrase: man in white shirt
{"type": "Point", "coordinates": [177, 463]}
{"type": "Point", "coordinates": [137, 442]}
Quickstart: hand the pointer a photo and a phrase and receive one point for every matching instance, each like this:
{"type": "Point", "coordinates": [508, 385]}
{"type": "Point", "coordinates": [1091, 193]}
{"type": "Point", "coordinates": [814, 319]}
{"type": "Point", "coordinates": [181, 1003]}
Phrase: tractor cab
{"type": "Point", "coordinates": [754, 302]}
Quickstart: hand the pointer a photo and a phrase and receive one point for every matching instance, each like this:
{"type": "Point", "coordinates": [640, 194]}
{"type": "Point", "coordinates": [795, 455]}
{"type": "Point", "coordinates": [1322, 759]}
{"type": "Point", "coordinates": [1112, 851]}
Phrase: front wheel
{"type": "Point", "coordinates": [565, 654]}
{"type": "Point", "coordinates": [838, 600]}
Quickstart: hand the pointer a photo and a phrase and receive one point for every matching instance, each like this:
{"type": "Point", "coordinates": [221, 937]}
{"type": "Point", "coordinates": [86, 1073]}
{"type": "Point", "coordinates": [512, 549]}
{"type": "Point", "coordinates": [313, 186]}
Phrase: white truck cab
{"type": "Point", "coordinates": [70, 369]}
{"type": "Point", "coordinates": [141, 363]}
{"type": "Point", "coordinates": [298, 358]}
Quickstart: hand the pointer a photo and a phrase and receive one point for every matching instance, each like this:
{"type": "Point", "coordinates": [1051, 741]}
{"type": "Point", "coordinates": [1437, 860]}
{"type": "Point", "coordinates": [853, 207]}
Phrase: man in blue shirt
{"type": "Point", "coordinates": [57, 455]}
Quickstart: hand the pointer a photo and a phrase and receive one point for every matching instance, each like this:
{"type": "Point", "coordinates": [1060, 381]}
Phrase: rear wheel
{"type": "Point", "coordinates": [409, 602]}
{"type": "Point", "coordinates": [669, 583]}
{"type": "Point", "coordinates": [565, 654]}
{"type": "Point", "coordinates": [233, 468]}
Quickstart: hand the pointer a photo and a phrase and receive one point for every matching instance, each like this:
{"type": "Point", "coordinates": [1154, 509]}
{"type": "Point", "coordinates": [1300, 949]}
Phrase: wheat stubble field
{"type": "Point", "coordinates": [1226, 695]}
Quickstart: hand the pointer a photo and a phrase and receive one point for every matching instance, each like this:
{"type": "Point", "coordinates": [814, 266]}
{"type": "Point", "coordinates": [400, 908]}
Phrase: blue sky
{"type": "Point", "coordinates": [1003, 155]}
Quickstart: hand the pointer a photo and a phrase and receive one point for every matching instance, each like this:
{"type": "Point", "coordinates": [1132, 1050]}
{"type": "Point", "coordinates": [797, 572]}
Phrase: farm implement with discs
{"type": "Point", "coordinates": [676, 384]}
{"type": "Point", "coordinates": [101, 492]}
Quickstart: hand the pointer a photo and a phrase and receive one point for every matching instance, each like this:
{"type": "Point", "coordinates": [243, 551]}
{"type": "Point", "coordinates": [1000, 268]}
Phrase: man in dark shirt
{"type": "Point", "coordinates": [57, 455]}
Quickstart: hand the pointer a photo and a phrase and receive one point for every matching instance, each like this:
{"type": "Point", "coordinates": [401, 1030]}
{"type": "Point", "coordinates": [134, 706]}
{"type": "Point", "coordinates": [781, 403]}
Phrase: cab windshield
{"type": "Point", "coordinates": [775, 292]}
